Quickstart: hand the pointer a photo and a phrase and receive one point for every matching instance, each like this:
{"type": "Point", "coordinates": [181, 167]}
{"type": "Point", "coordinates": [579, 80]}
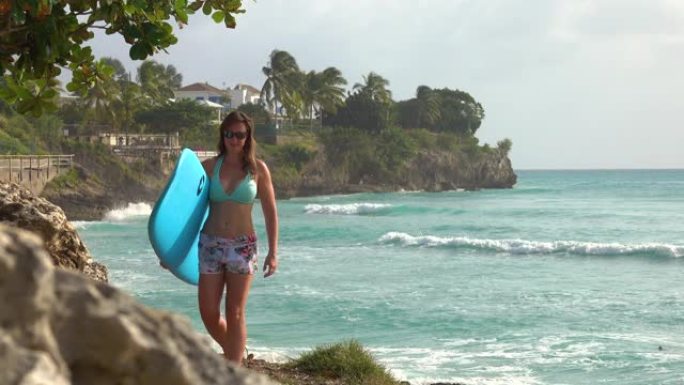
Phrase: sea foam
{"type": "Point", "coordinates": [521, 246]}
{"type": "Point", "coordinates": [498, 380]}
{"type": "Point", "coordinates": [80, 225]}
{"type": "Point", "coordinates": [132, 210]}
{"type": "Point", "coordinates": [346, 209]}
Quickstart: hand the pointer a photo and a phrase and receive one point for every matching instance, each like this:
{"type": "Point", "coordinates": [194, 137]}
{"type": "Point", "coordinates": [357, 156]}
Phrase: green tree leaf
{"type": "Point", "coordinates": [138, 51]}
{"type": "Point", "coordinates": [206, 9]}
{"type": "Point", "coordinates": [195, 5]}
{"type": "Point", "coordinates": [230, 21]}
{"type": "Point", "coordinates": [218, 16]}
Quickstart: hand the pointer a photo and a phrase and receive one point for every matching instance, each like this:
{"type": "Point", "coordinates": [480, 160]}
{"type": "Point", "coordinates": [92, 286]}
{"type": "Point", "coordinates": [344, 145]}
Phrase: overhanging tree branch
{"type": "Point", "coordinates": [31, 67]}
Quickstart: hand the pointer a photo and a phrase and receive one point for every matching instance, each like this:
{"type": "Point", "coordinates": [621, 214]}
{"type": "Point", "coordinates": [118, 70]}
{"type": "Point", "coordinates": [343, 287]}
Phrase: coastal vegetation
{"type": "Point", "coordinates": [347, 361]}
{"type": "Point", "coordinates": [311, 131]}
{"type": "Point", "coordinates": [104, 96]}
{"type": "Point", "coordinates": [312, 126]}
{"type": "Point", "coordinates": [342, 363]}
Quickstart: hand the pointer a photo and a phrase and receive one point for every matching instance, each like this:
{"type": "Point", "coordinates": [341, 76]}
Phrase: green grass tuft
{"type": "Point", "coordinates": [347, 361]}
{"type": "Point", "coordinates": [70, 179]}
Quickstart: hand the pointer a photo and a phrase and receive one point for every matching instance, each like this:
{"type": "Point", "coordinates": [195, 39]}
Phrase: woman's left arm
{"type": "Point", "coordinates": [268, 205]}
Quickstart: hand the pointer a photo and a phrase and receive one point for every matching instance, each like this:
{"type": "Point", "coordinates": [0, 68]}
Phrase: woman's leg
{"type": "Point", "coordinates": [209, 294]}
{"type": "Point", "coordinates": [237, 286]}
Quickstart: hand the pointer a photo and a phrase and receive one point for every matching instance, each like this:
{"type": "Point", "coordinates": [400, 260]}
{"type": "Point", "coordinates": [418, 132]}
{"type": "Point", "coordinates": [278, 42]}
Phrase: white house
{"type": "Point", "coordinates": [243, 93]}
{"type": "Point", "coordinates": [205, 94]}
{"type": "Point", "coordinates": [200, 91]}
{"type": "Point", "coordinates": [239, 95]}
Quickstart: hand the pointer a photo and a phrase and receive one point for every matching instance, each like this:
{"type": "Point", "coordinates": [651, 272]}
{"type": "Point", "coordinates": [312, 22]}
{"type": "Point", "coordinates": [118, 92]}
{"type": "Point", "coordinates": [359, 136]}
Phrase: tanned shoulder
{"type": "Point", "coordinates": [261, 166]}
{"type": "Point", "coordinates": [208, 165]}
{"type": "Point", "coordinates": [262, 169]}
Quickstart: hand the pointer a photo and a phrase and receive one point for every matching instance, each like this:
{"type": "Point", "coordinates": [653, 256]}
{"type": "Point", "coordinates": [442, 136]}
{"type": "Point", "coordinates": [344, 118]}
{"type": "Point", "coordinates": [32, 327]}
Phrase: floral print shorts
{"type": "Point", "coordinates": [235, 255]}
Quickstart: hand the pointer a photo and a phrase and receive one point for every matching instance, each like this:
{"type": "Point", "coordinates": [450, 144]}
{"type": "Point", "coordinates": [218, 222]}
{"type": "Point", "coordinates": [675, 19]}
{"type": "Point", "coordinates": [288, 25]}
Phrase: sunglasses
{"type": "Point", "coordinates": [235, 134]}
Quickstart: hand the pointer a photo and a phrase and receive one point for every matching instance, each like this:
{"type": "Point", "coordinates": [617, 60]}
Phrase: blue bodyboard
{"type": "Point", "coordinates": [178, 216]}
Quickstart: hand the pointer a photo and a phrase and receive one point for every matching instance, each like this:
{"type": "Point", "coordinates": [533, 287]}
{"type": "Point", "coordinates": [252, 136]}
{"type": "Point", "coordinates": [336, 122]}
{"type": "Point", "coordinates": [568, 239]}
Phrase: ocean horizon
{"type": "Point", "coordinates": [571, 277]}
{"type": "Point", "coordinates": [600, 169]}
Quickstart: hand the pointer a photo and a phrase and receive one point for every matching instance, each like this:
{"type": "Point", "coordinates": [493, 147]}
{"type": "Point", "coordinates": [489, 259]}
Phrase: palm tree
{"type": "Point", "coordinates": [119, 69]}
{"type": "Point", "coordinates": [322, 91]}
{"type": "Point", "coordinates": [331, 94]}
{"type": "Point", "coordinates": [282, 76]}
{"type": "Point", "coordinates": [311, 85]}
{"type": "Point", "coordinates": [132, 100]}
{"type": "Point", "coordinates": [427, 106]}
{"type": "Point", "coordinates": [129, 98]}
{"type": "Point", "coordinates": [102, 95]}
{"type": "Point", "coordinates": [158, 81]}
{"type": "Point", "coordinates": [375, 86]}
{"type": "Point", "coordinates": [293, 101]}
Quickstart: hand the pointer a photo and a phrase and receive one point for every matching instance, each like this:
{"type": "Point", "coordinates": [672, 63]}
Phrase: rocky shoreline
{"type": "Point", "coordinates": [92, 197]}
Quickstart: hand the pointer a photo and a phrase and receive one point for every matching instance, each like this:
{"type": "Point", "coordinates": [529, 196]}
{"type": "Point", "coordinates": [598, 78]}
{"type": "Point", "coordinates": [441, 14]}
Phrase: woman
{"type": "Point", "coordinates": [227, 246]}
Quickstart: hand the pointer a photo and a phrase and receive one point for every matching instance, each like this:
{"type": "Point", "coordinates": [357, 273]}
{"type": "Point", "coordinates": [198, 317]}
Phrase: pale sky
{"type": "Point", "coordinates": [573, 83]}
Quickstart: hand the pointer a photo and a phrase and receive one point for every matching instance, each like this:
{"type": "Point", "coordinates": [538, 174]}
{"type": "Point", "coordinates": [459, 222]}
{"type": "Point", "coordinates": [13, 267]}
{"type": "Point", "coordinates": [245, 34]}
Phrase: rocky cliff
{"type": "Point", "coordinates": [59, 327]}
{"type": "Point", "coordinates": [446, 171]}
{"type": "Point", "coordinates": [19, 208]}
{"type": "Point", "coordinates": [429, 171]}
{"type": "Point", "coordinates": [100, 182]}
{"type": "Point", "coordinates": [103, 184]}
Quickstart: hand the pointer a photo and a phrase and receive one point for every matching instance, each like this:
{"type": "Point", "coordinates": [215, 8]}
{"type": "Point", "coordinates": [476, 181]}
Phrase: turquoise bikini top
{"type": "Point", "coordinates": [244, 192]}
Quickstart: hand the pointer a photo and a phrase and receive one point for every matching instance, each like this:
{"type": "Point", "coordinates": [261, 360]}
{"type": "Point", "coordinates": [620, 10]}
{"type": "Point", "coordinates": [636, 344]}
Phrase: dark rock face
{"type": "Point", "coordinates": [82, 205]}
{"type": "Point", "coordinates": [59, 327]}
{"type": "Point", "coordinates": [21, 209]}
{"type": "Point", "coordinates": [104, 182]}
{"type": "Point", "coordinates": [433, 171]}
{"type": "Point", "coordinates": [445, 171]}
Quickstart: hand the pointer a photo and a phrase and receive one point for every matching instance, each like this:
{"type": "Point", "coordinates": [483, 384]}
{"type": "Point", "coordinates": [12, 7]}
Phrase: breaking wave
{"type": "Point", "coordinates": [347, 209]}
{"type": "Point", "coordinates": [132, 210]}
{"type": "Point", "coordinates": [521, 246]}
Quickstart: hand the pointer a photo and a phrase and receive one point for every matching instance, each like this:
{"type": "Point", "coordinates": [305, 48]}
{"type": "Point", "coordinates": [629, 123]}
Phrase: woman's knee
{"type": "Point", "coordinates": [209, 314]}
{"type": "Point", "coordinates": [235, 314]}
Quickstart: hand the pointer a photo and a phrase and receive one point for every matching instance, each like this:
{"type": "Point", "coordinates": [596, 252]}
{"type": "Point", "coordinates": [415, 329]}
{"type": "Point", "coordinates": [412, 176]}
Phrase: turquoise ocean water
{"type": "Point", "coordinates": [572, 277]}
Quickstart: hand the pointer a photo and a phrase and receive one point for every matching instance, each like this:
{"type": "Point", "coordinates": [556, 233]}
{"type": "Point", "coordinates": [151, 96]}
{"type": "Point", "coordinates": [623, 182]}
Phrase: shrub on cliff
{"type": "Point", "coordinates": [366, 156]}
{"type": "Point", "coordinates": [504, 146]}
{"type": "Point", "coordinates": [292, 154]}
{"type": "Point", "coordinates": [347, 361]}
{"type": "Point", "coordinates": [286, 161]}
{"type": "Point", "coordinates": [96, 165]}
{"type": "Point", "coordinates": [70, 179]}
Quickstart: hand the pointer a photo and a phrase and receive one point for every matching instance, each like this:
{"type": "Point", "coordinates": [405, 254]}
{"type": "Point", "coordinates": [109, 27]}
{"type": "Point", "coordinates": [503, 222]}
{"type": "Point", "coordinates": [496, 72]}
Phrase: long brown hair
{"type": "Point", "coordinates": [249, 148]}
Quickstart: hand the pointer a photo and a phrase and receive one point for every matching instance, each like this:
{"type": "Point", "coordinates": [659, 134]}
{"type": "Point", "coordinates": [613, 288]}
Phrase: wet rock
{"type": "Point", "coordinates": [20, 208]}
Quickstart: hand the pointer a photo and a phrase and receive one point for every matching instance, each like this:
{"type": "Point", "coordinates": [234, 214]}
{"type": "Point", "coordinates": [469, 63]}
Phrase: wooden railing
{"type": "Point", "coordinates": [33, 171]}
